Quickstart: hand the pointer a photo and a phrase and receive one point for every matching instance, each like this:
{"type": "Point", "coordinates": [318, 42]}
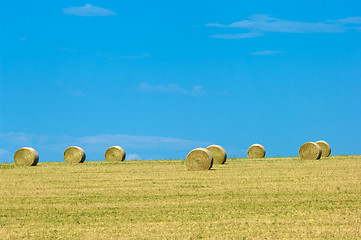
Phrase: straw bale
{"type": "Point", "coordinates": [199, 159]}
{"type": "Point", "coordinates": [218, 153]}
{"type": "Point", "coordinates": [26, 156]}
{"type": "Point", "coordinates": [114, 154]}
{"type": "Point", "coordinates": [325, 147]}
{"type": "Point", "coordinates": [310, 150]}
{"type": "Point", "coordinates": [256, 151]}
{"type": "Point", "coordinates": [74, 154]}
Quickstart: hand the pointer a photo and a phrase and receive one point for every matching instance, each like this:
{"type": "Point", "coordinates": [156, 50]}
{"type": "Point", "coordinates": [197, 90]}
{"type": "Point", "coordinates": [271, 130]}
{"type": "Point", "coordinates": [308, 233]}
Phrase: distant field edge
{"type": "Point", "coordinates": [162, 161]}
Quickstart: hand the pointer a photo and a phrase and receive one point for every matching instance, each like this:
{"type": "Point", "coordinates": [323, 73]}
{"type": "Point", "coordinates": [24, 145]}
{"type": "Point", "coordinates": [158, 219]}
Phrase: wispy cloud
{"type": "Point", "coordinates": [139, 142]}
{"type": "Point", "coordinates": [141, 56]}
{"type": "Point", "coordinates": [3, 151]}
{"type": "Point", "coordinates": [171, 88]}
{"type": "Point", "coordinates": [70, 91]}
{"type": "Point", "coordinates": [19, 138]}
{"type": "Point", "coordinates": [259, 25]}
{"type": "Point", "coordinates": [265, 52]}
{"type": "Point", "coordinates": [89, 10]}
{"type": "Point", "coordinates": [348, 20]}
{"type": "Point", "coordinates": [51, 148]}
{"type": "Point", "coordinates": [133, 156]}
{"type": "Point", "coordinates": [5, 156]}
{"type": "Point", "coordinates": [238, 36]}
{"type": "Point", "coordinates": [23, 38]}
{"type": "Point", "coordinates": [12, 141]}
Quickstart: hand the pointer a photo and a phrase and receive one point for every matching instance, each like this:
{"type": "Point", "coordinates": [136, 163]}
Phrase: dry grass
{"type": "Point", "coordinates": [269, 198]}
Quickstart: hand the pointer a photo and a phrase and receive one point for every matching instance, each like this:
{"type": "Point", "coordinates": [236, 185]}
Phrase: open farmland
{"type": "Point", "coordinates": [270, 198]}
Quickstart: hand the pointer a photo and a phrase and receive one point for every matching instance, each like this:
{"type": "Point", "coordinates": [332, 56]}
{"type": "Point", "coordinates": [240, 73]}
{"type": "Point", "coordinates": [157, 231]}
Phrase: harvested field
{"type": "Point", "coordinates": [269, 198]}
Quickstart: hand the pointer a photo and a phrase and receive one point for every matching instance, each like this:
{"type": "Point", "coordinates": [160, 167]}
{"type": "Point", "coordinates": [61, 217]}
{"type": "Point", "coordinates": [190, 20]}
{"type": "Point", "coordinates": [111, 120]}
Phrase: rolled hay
{"type": "Point", "coordinates": [310, 151]}
{"type": "Point", "coordinates": [325, 147]}
{"type": "Point", "coordinates": [114, 154]}
{"type": "Point", "coordinates": [74, 154]}
{"type": "Point", "coordinates": [256, 151]}
{"type": "Point", "coordinates": [218, 153]}
{"type": "Point", "coordinates": [26, 156]}
{"type": "Point", "coordinates": [199, 159]}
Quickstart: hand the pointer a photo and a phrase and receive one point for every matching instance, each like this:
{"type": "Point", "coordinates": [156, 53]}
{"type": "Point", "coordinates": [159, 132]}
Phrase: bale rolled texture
{"type": "Point", "coordinates": [256, 151]}
{"type": "Point", "coordinates": [26, 156]}
{"type": "Point", "coordinates": [310, 150]}
{"type": "Point", "coordinates": [218, 153]}
{"type": "Point", "coordinates": [114, 154]}
{"type": "Point", "coordinates": [74, 154]}
{"type": "Point", "coordinates": [199, 159]}
{"type": "Point", "coordinates": [325, 147]}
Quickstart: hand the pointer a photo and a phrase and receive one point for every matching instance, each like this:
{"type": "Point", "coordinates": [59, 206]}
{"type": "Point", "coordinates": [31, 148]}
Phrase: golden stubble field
{"type": "Point", "coordinates": [271, 198]}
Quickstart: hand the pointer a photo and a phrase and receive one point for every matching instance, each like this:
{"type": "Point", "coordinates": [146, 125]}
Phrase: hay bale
{"type": "Point", "coordinates": [114, 154]}
{"type": "Point", "coordinates": [256, 151]}
{"type": "Point", "coordinates": [74, 154]}
{"type": "Point", "coordinates": [218, 153]}
{"type": "Point", "coordinates": [325, 147]}
{"type": "Point", "coordinates": [199, 159]}
{"type": "Point", "coordinates": [26, 156]}
{"type": "Point", "coordinates": [310, 150]}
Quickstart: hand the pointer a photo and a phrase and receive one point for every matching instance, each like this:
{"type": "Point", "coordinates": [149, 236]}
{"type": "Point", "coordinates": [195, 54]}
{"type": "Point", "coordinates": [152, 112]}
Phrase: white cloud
{"type": "Point", "coordinates": [5, 156]}
{"type": "Point", "coordinates": [70, 91]}
{"type": "Point", "coordinates": [23, 38]}
{"type": "Point", "coordinates": [139, 142]}
{"type": "Point", "coordinates": [133, 156]}
{"type": "Point", "coordinates": [3, 151]}
{"type": "Point", "coordinates": [259, 25]}
{"type": "Point", "coordinates": [22, 139]}
{"type": "Point", "coordinates": [51, 148]}
{"type": "Point", "coordinates": [238, 36]}
{"type": "Point", "coordinates": [88, 10]}
{"type": "Point", "coordinates": [170, 88]}
{"type": "Point", "coordinates": [197, 90]}
{"type": "Point", "coordinates": [348, 20]}
{"type": "Point", "coordinates": [266, 52]}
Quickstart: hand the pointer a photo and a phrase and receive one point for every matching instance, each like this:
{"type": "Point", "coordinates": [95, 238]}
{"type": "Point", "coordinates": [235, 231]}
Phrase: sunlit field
{"type": "Point", "coordinates": [270, 198]}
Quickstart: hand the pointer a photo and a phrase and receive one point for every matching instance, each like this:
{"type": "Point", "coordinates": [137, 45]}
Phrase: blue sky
{"type": "Point", "coordinates": [160, 78]}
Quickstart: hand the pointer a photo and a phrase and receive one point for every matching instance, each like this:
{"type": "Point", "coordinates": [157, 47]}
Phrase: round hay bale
{"type": "Point", "coordinates": [114, 154]}
{"type": "Point", "coordinates": [218, 153]}
{"type": "Point", "coordinates": [310, 150]}
{"type": "Point", "coordinates": [256, 151]}
{"type": "Point", "coordinates": [199, 159]}
{"type": "Point", "coordinates": [325, 147]}
{"type": "Point", "coordinates": [74, 154]}
{"type": "Point", "coordinates": [26, 156]}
